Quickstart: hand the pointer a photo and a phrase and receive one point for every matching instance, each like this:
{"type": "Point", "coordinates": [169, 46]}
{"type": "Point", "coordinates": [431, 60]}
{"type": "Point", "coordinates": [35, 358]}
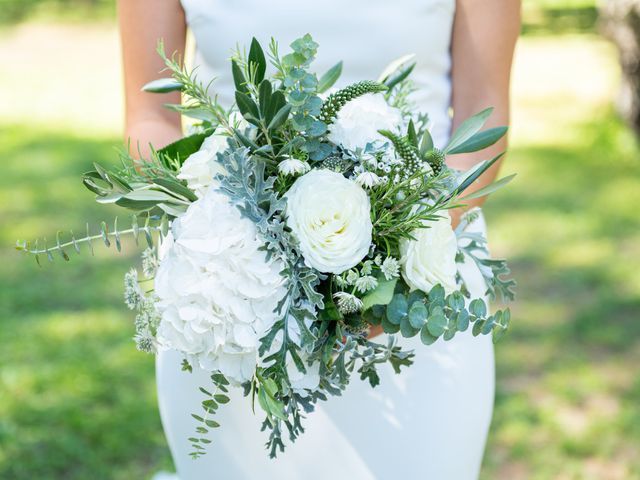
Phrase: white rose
{"type": "Point", "coordinates": [430, 259]}
{"type": "Point", "coordinates": [331, 218]}
{"type": "Point", "coordinates": [200, 167]}
{"type": "Point", "coordinates": [358, 122]}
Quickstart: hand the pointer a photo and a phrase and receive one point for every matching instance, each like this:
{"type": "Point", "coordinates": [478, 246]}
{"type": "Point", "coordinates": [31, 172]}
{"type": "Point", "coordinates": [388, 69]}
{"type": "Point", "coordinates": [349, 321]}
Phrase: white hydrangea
{"type": "Point", "coordinates": [200, 168]}
{"type": "Point", "coordinates": [217, 292]}
{"type": "Point", "coordinates": [359, 120]}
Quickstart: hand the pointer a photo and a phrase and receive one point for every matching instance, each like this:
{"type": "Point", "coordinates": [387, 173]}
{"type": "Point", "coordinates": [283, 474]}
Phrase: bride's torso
{"type": "Point", "coordinates": [365, 34]}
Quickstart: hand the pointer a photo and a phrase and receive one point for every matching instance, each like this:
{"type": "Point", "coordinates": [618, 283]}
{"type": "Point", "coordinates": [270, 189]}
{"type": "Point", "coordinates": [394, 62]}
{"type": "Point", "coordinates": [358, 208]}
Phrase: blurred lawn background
{"type": "Point", "coordinates": [77, 400]}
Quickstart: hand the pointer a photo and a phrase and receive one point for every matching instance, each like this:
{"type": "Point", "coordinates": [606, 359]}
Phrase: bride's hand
{"type": "Point", "coordinates": [374, 331]}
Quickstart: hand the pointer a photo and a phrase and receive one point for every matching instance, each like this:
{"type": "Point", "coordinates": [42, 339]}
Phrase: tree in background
{"type": "Point", "coordinates": [620, 22]}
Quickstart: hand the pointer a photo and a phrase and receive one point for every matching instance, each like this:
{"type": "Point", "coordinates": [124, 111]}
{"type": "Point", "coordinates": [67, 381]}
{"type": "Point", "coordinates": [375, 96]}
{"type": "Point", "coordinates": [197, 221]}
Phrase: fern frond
{"type": "Point", "coordinates": [107, 235]}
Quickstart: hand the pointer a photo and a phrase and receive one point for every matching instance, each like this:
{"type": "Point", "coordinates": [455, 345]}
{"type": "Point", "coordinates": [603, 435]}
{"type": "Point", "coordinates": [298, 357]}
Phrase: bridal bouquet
{"type": "Point", "coordinates": [280, 230]}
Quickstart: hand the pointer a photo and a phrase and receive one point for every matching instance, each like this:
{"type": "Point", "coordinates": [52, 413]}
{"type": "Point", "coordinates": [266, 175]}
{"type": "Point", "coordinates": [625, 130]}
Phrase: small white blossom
{"type": "Point", "coordinates": [367, 267]}
{"type": "Point", "coordinates": [364, 284]}
{"type": "Point", "coordinates": [149, 262]}
{"type": "Point", "coordinates": [145, 342]}
{"type": "Point", "coordinates": [340, 281]}
{"type": "Point", "coordinates": [348, 303]}
{"type": "Point", "coordinates": [133, 295]}
{"type": "Point", "coordinates": [390, 268]}
{"type": "Point", "coordinates": [368, 179]}
{"type": "Point", "coordinates": [293, 166]}
{"type": "Point", "coordinates": [352, 276]}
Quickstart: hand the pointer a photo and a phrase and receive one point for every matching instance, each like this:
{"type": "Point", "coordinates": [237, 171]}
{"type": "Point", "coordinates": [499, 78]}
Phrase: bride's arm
{"type": "Point", "coordinates": [484, 37]}
{"type": "Point", "coordinates": [142, 24]}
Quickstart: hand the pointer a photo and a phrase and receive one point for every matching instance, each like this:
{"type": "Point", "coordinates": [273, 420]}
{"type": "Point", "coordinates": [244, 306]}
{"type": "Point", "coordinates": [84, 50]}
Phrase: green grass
{"type": "Point", "coordinates": [77, 400]}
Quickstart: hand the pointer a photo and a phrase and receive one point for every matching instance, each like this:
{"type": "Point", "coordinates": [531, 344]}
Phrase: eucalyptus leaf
{"type": "Point", "coordinates": [437, 325]}
{"type": "Point", "coordinates": [397, 309]}
{"type": "Point", "coordinates": [426, 337]}
{"type": "Point", "coordinates": [418, 314]}
{"type": "Point", "coordinates": [407, 329]}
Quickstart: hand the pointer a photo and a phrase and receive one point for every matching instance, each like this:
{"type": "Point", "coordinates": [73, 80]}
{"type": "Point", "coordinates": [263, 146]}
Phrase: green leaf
{"type": "Point", "coordinates": [397, 309]}
{"type": "Point", "coordinates": [221, 398]}
{"type": "Point", "coordinates": [418, 314]}
{"type": "Point", "coordinates": [316, 129]}
{"type": "Point", "coordinates": [238, 78]}
{"type": "Point", "coordinates": [474, 173]}
{"type": "Point", "coordinates": [256, 57]}
{"type": "Point", "coordinates": [278, 101]}
{"type": "Point", "coordinates": [247, 107]}
{"type": "Point", "coordinates": [437, 293]}
{"type": "Point", "coordinates": [163, 85]}
{"type": "Point", "coordinates": [478, 307]}
{"type": "Point", "coordinates": [462, 319]}
{"type": "Point", "coordinates": [468, 129]}
{"type": "Point", "coordinates": [184, 147]}
{"type": "Point", "coordinates": [411, 134]}
{"type": "Point", "coordinates": [264, 97]}
{"type": "Point", "coordinates": [177, 188]}
{"type": "Point", "coordinates": [426, 144]}
{"type": "Point", "coordinates": [395, 79]}
{"type": "Point", "coordinates": [395, 65]}
{"type": "Point", "coordinates": [330, 77]}
{"type": "Point", "coordinates": [280, 118]}
{"type": "Point", "coordinates": [381, 295]}
{"type": "Point", "coordinates": [477, 327]}
{"type": "Point", "coordinates": [426, 337]}
{"type": "Point", "coordinates": [455, 301]}
{"type": "Point", "coordinates": [492, 187]}
{"type": "Point", "coordinates": [437, 325]}
{"type": "Point", "coordinates": [479, 141]}
{"type": "Point", "coordinates": [389, 327]}
{"type": "Point", "coordinates": [407, 329]}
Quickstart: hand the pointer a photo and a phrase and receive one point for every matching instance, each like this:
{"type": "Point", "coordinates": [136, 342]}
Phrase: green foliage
{"type": "Point", "coordinates": [213, 400]}
{"type": "Point", "coordinates": [437, 315]}
{"type": "Point", "coordinates": [106, 235]}
{"type": "Point", "coordinates": [301, 88]}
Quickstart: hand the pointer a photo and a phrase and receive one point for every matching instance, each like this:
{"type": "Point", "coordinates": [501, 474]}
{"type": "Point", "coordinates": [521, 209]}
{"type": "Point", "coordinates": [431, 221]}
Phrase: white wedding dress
{"type": "Point", "coordinates": [431, 421]}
